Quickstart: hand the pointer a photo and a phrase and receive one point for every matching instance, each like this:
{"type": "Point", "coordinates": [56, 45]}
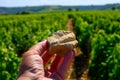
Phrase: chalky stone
{"type": "Point", "coordinates": [62, 42]}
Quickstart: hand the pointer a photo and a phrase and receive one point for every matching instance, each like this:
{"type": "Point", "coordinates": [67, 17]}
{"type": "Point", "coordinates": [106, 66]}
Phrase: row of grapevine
{"type": "Point", "coordinates": [100, 28]}
{"type": "Point", "coordinates": [18, 33]}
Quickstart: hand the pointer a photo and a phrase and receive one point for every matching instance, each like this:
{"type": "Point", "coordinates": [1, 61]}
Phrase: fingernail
{"type": "Point", "coordinates": [44, 40]}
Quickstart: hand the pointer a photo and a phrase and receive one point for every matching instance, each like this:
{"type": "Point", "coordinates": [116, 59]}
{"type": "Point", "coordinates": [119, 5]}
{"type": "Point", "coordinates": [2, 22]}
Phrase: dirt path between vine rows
{"type": "Point", "coordinates": [79, 67]}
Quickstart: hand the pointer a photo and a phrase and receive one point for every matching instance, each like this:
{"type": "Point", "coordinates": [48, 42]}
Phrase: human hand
{"type": "Point", "coordinates": [34, 60]}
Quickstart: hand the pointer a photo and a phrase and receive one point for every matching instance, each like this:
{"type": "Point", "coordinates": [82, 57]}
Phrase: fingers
{"type": "Point", "coordinates": [32, 63]}
{"type": "Point", "coordinates": [38, 48]}
{"type": "Point", "coordinates": [56, 63]}
{"type": "Point", "coordinates": [64, 66]}
{"type": "Point", "coordinates": [43, 78]}
{"type": "Point", "coordinates": [52, 72]}
{"type": "Point", "coordinates": [41, 47]}
{"type": "Point", "coordinates": [46, 57]}
{"type": "Point", "coordinates": [60, 65]}
{"type": "Point", "coordinates": [31, 66]}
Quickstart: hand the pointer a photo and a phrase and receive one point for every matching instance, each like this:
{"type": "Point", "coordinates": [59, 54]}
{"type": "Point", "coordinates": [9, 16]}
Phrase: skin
{"type": "Point", "coordinates": [32, 64]}
{"type": "Point", "coordinates": [35, 59]}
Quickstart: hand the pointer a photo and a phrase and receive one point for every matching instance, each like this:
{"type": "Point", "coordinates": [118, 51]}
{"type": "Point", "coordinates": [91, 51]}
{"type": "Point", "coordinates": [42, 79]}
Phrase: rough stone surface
{"type": "Point", "coordinates": [62, 42]}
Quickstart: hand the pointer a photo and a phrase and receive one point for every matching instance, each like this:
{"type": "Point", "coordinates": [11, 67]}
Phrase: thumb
{"type": "Point", "coordinates": [38, 48]}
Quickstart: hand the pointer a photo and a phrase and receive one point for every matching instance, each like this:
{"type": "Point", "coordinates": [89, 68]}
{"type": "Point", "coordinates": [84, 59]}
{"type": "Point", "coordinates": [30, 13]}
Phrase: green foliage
{"type": "Point", "coordinates": [101, 29]}
{"type": "Point", "coordinates": [113, 8]}
{"type": "Point", "coordinates": [69, 9]}
{"type": "Point", "coordinates": [105, 56]}
{"type": "Point", "coordinates": [9, 62]}
{"type": "Point", "coordinates": [18, 33]}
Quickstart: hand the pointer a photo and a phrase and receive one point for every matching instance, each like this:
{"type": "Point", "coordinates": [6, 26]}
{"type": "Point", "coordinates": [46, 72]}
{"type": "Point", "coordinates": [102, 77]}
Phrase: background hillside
{"type": "Point", "coordinates": [13, 10]}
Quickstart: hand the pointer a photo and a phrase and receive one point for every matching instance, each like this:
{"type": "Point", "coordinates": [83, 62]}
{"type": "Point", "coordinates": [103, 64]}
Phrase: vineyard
{"type": "Point", "coordinates": [98, 34]}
